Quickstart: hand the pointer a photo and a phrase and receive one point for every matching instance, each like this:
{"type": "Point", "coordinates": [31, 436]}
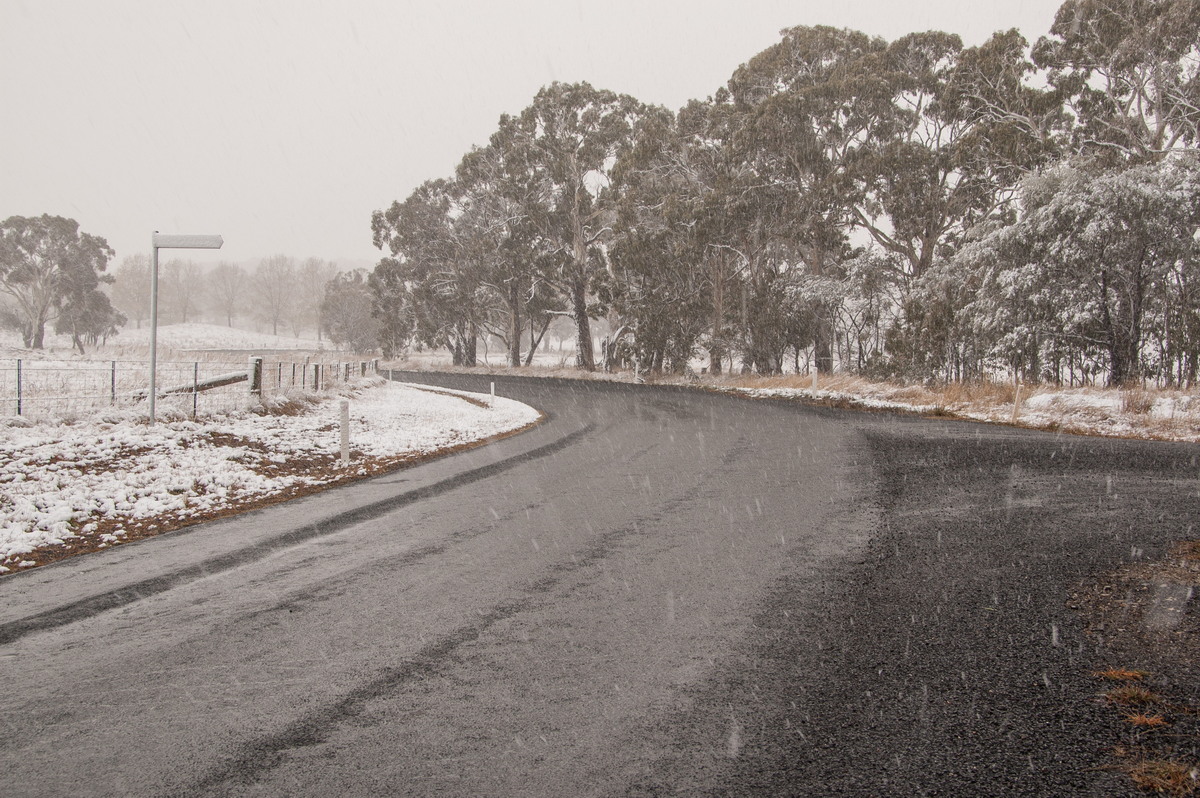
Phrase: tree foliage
{"type": "Point", "coordinates": [911, 207]}
{"type": "Point", "coordinates": [51, 270]}
{"type": "Point", "coordinates": [346, 312]}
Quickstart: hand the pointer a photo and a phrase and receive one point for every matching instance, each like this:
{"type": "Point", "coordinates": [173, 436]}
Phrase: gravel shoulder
{"type": "Point", "coordinates": [952, 659]}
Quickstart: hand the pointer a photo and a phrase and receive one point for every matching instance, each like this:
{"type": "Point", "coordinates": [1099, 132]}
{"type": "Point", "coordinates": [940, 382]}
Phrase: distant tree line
{"type": "Point", "coordinates": [280, 292]}
{"type": "Point", "coordinates": [914, 208]}
{"type": "Point", "coordinates": [52, 274]}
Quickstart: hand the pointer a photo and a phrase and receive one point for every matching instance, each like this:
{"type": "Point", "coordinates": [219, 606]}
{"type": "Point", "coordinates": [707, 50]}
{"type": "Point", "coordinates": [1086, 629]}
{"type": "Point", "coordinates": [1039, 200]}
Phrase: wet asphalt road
{"type": "Point", "coordinates": [657, 591]}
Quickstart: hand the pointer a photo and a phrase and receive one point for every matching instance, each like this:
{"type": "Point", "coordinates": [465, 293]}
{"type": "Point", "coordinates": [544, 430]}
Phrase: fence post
{"type": "Point", "coordinates": [255, 376]}
{"type": "Point", "coordinates": [316, 376]}
{"type": "Point", "coordinates": [113, 391]}
{"type": "Point", "coordinates": [20, 397]}
{"type": "Point", "coordinates": [293, 385]}
{"type": "Point", "coordinates": [195, 387]}
{"type": "Point", "coordinates": [362, 365]}
{"type": "Point", "coordinates": [279, 377]}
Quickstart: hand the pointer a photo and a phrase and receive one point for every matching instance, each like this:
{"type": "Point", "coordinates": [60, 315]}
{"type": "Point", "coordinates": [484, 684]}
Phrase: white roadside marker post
{"type": "Point", "coordinates": [345, 403]}
{"type": "Point", "coordinates": [814, 376]}
{"type": "Point", "coordinates": [492, 401]}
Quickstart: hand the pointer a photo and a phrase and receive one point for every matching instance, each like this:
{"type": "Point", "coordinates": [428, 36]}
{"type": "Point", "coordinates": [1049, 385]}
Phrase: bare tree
{"type": "Point", "coordinates": [275, 290]}
{"type": "Point", "coordinates": [314, 275]}
{"type": "Point", "coordinates": [227, 285]}
{"type": "Point", "coordinates": [179, 285]}
{"type": "Point", "coordinates": [131, 289]}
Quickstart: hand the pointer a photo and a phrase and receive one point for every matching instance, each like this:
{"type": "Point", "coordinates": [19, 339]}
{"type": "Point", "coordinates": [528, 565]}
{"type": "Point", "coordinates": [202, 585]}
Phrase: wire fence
{"type": "Point", "coordinates": [43, 389]}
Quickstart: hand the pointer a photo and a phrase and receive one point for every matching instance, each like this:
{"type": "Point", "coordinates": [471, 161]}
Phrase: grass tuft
{"type": "Point", "coordinates": [1137, 401]}
{"type": "Point", "coordinates": [1144, 721]}
{"type": "Point", "coordinates": [1166, 777]}
{"type": "Point", "coordinates": [1121, 675]}
{"type": "Point", "coordinates": [1132, 695]}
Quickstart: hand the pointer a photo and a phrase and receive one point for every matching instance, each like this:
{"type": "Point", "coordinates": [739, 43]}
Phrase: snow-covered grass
{"type": "Point", "coordinates": [193, 336]}
{"type": "Point", "coordinates": [66, 488]}
{"type": "Point", "coordinates": [135, 343]}
{"type": "Point", "coordinates": [1155, 414]}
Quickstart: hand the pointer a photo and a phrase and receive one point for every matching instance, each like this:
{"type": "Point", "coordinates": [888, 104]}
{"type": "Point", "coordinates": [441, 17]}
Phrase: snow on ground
{"type": "Point", "coordinates": [214, 336]}
{"type": "Point", "coordinates": [177, 337]}
{"type": "Point", "coordinates": [114, 474]}
{"type": "Point", "coordinates": [1150, 414]}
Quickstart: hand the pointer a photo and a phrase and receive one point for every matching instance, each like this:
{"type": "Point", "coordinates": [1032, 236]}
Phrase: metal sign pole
{"type": "Point", "coordinates": [153, 322]}
{"type": "Point", "coordinates": [167, 242]}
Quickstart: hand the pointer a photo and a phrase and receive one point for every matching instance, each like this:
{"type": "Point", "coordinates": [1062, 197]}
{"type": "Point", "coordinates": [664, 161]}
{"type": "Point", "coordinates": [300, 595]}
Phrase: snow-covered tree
{"type": "Point", "coordinates": [1092, 255]}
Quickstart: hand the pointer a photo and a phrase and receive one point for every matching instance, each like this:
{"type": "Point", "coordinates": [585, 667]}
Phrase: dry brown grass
{"type": "Point", "coordinates": [1132, 695]}
{"type": "Point", "coordinates": [1144, 721]}
{"type": "Point", "coordinates": [1137, 401]}
{"type": "Point", "coordinates": [1188, 551]}
{"type": "Point", "coordinates": [1165, 777]}
{"type": "Point", "coordinates": [1121, 675]}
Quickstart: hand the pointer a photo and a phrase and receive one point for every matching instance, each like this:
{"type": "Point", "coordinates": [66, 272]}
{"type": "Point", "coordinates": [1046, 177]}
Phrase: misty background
{"type": "Point", "coordinates": [283, 125]}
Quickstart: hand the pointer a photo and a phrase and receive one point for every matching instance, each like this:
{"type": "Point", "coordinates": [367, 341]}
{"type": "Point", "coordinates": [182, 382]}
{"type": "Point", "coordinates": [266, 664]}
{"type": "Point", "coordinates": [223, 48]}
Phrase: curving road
{"type": "Point", "coordinates": [657, 591]}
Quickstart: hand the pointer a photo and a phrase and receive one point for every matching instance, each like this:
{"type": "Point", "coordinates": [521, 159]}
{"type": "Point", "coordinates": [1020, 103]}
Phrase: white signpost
{"type": "Point", "coordinates": [166, 241]}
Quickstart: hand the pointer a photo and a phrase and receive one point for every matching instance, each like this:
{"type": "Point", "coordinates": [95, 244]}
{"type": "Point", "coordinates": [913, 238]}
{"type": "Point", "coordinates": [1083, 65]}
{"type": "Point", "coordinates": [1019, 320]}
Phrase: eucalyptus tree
{"type": "Point", "coordinates": [48, 266]}
{"type": "Point", "coordinates": [1092, 255]}
{"type": "Point", "coordinates": [346, 312]}
{"type": "Point", "coordinates": [963, 127]}
{"type": "Point", "coordinates": [668, 275]}
{"type": "Point", "coordinates": [391, 306]}
{"type": "Point", "coordinates": [571, 135]}
{"type": "Point", "coordinates": [502, 198]}
{"type": "Point", "coordinates": [441, 267]}
{"type": "Point", "coordinates": [87, 314]}
{"type": "Point", "coordinates": [808, 107]}
{"type": "Point", "coordinates": [1130, 73]}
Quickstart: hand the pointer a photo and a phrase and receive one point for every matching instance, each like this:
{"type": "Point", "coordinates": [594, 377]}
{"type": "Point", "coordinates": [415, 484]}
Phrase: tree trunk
{"type": "Point", "coordinates": [716, 350]}
{"type": "Point", "coordinates": [514, 326]}
{"type": "Point", "coordinates": [534, 343]}
{"type": "Point", "coordinates": [471, 346]}
{"type": "Point", "coordinates": [584, 357]}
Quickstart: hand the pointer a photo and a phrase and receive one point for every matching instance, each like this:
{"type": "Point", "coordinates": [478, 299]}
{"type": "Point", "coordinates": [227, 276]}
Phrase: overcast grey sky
{"type": "Point", "coordinates": [283, 125]}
